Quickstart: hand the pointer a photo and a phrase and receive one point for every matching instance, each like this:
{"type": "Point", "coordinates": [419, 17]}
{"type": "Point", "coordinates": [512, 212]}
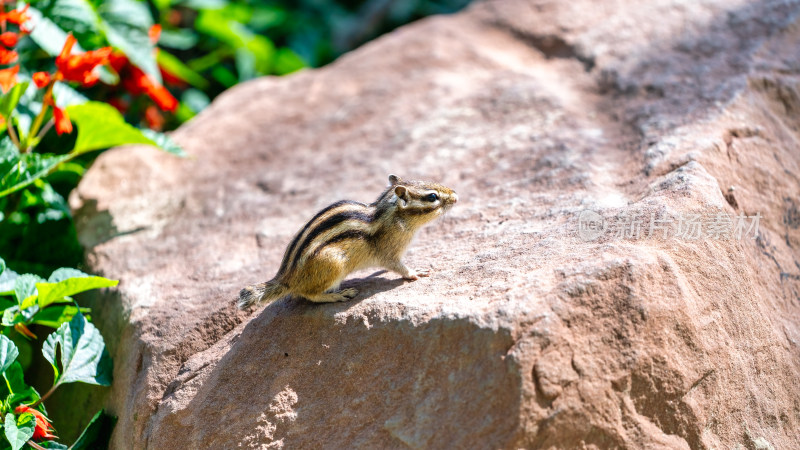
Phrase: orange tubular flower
{"type": "Point", "coordinates": [9, 39]}
{"type": "Point", "coordinates": [17, 16]}
{"type": "Point", "coordinates": [43, 428]}
{"type": "Point", "coordinates": [138, 82]}
{"type": "Point", "coordinates": [63, 125]}
{"type": "Point", "coordinates": [22, 329]}
{"type": "Point", "coordinates": [7, 56]}
{"type": "Point", "coordinates": [8, 78]}
{"type": "Point", "coordinates": [81, 67]}
{"type": "Point", "coordinates": [154, 33]}
{"type": "Point", "coordinates": [41, 79]}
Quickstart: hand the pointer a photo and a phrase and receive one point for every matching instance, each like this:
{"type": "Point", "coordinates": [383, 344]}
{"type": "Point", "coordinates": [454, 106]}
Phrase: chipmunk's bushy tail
{"type": "Point", "coordinates": [261, 293]}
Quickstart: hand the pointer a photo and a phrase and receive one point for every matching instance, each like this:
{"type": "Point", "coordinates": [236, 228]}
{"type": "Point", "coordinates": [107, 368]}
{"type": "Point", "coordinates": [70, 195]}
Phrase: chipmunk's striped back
{"type": "Point", "coordinates": [342, 220]}
{"type": "Point", "coordinates": [347, 236]}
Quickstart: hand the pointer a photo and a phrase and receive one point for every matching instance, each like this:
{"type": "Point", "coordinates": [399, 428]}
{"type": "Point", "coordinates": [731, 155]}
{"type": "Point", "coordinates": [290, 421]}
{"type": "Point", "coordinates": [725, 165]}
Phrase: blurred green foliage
{"type": "Point", "coordinates": [205, 47]}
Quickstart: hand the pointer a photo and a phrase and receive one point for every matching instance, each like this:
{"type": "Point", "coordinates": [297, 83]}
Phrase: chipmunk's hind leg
{"type": "Point", "coordinates": [325, 272]}
{"type": "Point", "coordinates": [331, 297]}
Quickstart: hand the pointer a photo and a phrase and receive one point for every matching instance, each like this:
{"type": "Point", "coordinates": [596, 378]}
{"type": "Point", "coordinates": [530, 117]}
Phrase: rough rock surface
{"type": "Point", "coordinates": [526, 335]}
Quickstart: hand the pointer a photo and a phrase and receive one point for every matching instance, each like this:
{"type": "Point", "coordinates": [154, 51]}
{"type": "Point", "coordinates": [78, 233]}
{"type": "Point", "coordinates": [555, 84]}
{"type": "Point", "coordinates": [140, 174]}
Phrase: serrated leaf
{"type": "Point", "coordinates": [29, 168]}
{"type": "Point", "coordinates": [25, 286]}
{"type": "Point", "coordinates": [52, 292]}
{"type": "Point", "coordinates": [83, 353]}
{"type": "Point", "coordinates": [7, 280]}
{"type": "Point", "coordinates": [101, 126]}
{"type": "Point", "coordinates": [16, 432]}
{"type": "Point", "coordinates": [10, 316]}
{"type": "Point", "coordinates": [97, 433]}
{"type": "Point", "coordinates": [8, 353]}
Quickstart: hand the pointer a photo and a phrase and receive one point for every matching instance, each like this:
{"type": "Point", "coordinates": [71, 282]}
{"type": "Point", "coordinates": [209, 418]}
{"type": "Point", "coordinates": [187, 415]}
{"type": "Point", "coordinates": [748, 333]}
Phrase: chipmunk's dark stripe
{"type": "Point", "coordinates": [326, 225]}
{"type": "Point", "coordinates": [420, 211]}
{"type": "Point", "coordinates": [293, 245]}
{"type": "Point", "coordinates": [349, 234]}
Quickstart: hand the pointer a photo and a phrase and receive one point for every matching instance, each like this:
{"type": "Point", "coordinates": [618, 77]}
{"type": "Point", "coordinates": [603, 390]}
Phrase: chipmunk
{"type": "Point", "coordinates": [347, 236]}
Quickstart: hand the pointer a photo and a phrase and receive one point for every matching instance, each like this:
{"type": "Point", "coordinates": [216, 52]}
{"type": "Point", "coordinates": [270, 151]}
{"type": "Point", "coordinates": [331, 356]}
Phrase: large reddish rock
{"type": "Point", "coordinates": [529, 333]}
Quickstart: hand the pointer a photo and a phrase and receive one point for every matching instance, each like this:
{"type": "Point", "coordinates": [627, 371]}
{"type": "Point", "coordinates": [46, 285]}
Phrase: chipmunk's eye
{"type": "Point", "coordinates": [431, 198]}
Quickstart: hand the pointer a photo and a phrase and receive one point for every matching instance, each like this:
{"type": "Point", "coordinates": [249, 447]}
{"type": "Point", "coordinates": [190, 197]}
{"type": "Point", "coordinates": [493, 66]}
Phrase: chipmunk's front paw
{"type": "Point", "coordinates": [348, 294]}
{"type": "Point", "coordinates": [414, 275]}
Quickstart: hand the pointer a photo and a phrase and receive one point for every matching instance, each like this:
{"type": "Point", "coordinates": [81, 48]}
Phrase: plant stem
{"type": "Point", "coordinates": [38, 122]}
{"type": "Point", "coordinates": [35, 445]}
{"type": "Point", "coordinates": [45, 129]}
{"type": "Point", "coordinates": [12, 133]}
{"type": "Point", "coordinates": [44, 397]}
{"type": "Point", "coordinates": [8, 385]}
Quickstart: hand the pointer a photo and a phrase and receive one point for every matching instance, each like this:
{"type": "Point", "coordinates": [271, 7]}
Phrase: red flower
{"type": "Point", "coordinates": [139, 82]}
{"type": "Point", "coordinates": [7, 56]}
{"type": "Point", "coordinates": [119, 103]}
{"type": "Point", "coordinates": [16, 16]}
{"type": "Point", "coordinates": [41, 79]}
{"type": "Point", "coordinates": [81, 67]}
{"type": "Point", "coordinates": [43, 428]}
{"type": "Point", "coordinates": [154, 33]}
{"type": "Point", "coordinates": [63, 125]}
{"type": "Point", "coordinates": [155, 120]}
{"type": "Point", "coordinates": [9, 39]}
{"type": "Point", "coordinates": [8, 78]}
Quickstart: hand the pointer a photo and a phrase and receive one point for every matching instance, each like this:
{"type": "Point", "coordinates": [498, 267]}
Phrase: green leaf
{"type": "Point", "coordinates": [7, 281]}
{"type": "Point", "coordinates": [11, 316]}
{"type": "Point", "coordinates": [223, 25]}
{"type": "Point", "coordinates": [97, 433]}
{"type": "Point", "coordinates": [48, 35]}
{"type": "Point", "coordinates": [25, 286]}
{"type": "Point", "coordinates": [18, 432]}
{"type": "Point", "coordinates": [195, 100]}
{"type": "Point", "coordinates": [83, 353]}
{"type": "Point", "coordinates": [176, 67]}
{"type": "Point", "coordinates": [287, 61]}
{"type": "Point", "coordinates": [29, 168]}
{"type": "Point", "coordinates": [8, 353]}
{"type": "Point", "coordinates": [164, 142]}
{"type": "Point", "coordinates": [178, 39]}
{"type": "Point", "coordinates": [19, 391]}
{"type": "Point", "coordinates": [53, 291]}
{"type": "Point", "coordinates": [126, 24]}
{"type": "Point", "coordinates": [2, 265]}
{"type": "Point", "coordinates": [9, 101]}
{"type": "Point", "coordinates": [54, 316]}
{"type": "Point", "coordinates": [101, 126]}
{"type": "Point", "coordinates": [66, 96]}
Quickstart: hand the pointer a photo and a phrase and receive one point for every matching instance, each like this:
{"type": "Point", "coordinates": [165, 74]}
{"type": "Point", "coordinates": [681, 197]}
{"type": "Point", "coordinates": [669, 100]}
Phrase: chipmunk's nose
{"type": "Point", "coordinates": [455, 197]}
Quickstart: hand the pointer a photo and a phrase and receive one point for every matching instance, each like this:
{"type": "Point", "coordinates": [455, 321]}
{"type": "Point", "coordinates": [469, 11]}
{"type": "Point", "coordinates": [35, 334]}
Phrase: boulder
{"type": "Point", "coordinates": [586, 292]}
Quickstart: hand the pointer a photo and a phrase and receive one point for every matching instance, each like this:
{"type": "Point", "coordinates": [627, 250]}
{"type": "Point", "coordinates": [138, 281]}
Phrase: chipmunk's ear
{"type": "Point", "coordinates": [394, 180]}
{"type": "Point", "coordinates": [402, 196]}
